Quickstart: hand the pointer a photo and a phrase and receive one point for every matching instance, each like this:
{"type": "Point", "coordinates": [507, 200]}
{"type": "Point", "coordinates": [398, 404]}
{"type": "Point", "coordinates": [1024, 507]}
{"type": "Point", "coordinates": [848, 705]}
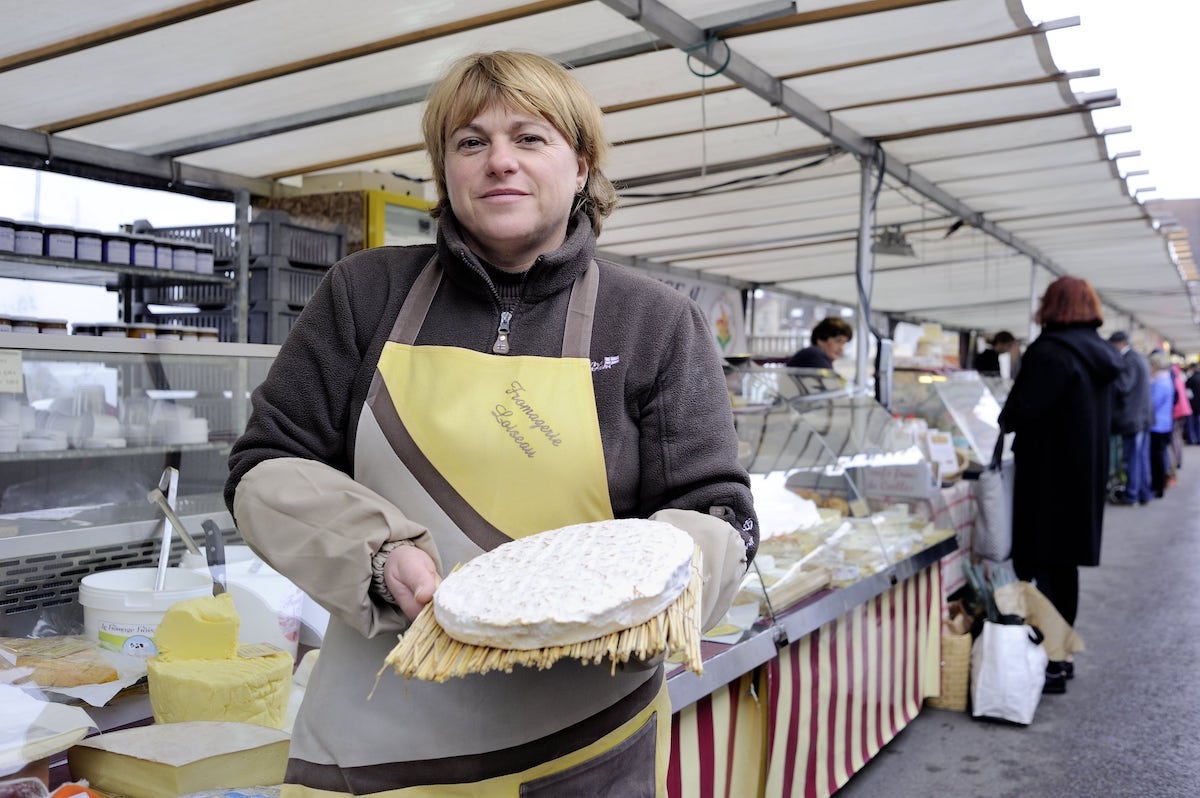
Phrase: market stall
{"type": "Point", "coordinates": [834, 668]}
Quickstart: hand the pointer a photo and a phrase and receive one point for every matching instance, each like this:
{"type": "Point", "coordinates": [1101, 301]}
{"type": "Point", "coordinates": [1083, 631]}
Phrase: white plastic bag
{"type": "Point", "coordinates": [1008, 671]}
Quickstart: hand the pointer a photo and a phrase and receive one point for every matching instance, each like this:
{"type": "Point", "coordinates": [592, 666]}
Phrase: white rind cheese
{"type": "Point", "coordinates": [566, 585]}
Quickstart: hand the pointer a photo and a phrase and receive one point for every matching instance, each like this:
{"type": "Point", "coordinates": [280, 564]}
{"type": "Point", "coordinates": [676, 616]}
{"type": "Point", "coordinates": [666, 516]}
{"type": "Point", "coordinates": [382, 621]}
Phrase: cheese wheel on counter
{"type": "Point", "coordinates": [202, 674]}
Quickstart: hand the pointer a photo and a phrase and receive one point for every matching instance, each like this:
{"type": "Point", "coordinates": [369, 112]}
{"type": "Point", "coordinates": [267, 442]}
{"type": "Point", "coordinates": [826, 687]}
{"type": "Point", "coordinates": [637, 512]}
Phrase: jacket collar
{"type": "Point", "coordinates": [552, 272]}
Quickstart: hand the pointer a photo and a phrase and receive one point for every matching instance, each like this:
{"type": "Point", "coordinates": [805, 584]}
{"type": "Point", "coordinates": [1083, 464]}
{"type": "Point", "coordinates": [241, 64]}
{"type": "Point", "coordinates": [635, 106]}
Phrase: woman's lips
{"type": "Point", "coordinates": [503, 192]}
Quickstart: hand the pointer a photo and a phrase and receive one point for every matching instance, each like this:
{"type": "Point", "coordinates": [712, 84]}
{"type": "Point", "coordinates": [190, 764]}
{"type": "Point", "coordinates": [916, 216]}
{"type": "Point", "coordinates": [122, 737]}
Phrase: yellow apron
{"type": "Point", "coordinates": [483, 449]}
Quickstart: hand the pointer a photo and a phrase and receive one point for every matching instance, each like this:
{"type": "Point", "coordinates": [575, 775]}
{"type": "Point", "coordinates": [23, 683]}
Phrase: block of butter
{"type": "Point", "coordinates": [200, 672]}
{"type": "Point", "coordinates": [180, 758]}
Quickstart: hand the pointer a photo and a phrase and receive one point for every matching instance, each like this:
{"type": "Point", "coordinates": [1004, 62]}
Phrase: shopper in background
{"type": "Point", "coordinates": [380, 453]}
{"type": "Point", "coordinates": [1162, 398]}
{"type": "Point", "coordinates": [829, 339]}
{"type": "Point", "coordinates": [1192, 387]}
{"type": "Point", "coordinates": [1060, 408]}
{"type": "Point", "coordinates": [1180, 413]}
{"type": "Point", "coordinates": [1131, 418]}
{"type": "Point", "coordinates": [988, 361]}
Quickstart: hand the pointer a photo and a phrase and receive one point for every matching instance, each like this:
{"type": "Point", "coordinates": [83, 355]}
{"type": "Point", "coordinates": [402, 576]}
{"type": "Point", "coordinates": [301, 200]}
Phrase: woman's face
{"type": "Point", "coordinates": [833, 347]}
{"type": "Point", "coordinates": [511, 179]}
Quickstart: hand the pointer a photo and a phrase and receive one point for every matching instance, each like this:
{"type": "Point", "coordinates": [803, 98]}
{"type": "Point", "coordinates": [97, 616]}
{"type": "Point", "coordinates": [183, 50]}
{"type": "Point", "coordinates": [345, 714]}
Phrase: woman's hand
{"type": "Point", "coordinates": [411, 576]}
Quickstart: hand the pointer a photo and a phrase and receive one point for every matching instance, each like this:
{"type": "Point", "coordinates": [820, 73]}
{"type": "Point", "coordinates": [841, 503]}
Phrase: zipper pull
{"type": "Point", "coordinates": [501, 345]}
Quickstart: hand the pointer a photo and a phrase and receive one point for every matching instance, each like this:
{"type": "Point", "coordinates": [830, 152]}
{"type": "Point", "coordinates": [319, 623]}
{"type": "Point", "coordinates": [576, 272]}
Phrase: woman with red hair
{"type": "Point", "coordinates": [1060, 409]}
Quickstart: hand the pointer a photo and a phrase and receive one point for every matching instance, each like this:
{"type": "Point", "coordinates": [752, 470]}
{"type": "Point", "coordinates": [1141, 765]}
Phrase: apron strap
{"type": "Point", "coordinates": [416, 304]}
{"type": "Point", "coordinates": [581, 311]}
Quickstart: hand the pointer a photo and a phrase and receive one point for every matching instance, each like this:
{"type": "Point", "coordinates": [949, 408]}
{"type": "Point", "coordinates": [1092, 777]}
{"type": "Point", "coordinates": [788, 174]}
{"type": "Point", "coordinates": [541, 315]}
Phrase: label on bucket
{"type": "Point", "coordinates": [131, 639]}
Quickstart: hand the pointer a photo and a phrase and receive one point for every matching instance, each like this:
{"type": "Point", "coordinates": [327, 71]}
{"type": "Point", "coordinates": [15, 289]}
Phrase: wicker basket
{"type": "Point", "coordinates": [956, 673]}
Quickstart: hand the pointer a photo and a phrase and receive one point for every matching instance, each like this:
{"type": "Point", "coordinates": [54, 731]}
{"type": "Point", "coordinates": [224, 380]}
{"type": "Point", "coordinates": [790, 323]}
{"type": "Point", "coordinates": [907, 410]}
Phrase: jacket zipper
{"type": "Point", "coordinates": [500, 347]}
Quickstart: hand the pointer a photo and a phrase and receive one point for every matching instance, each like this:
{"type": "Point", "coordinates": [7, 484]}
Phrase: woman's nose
{"type": "Point", "coordinates": [502, 158]}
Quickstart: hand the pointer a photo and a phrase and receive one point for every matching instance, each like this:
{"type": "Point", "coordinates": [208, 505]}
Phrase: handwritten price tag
{"type": "Point", "coordinates": [11, 378]}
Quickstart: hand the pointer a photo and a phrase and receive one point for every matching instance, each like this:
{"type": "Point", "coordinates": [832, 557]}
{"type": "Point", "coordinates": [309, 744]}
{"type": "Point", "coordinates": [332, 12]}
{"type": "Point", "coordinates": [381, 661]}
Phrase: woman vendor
{"type": "Point", "coordinates": [435, 401]}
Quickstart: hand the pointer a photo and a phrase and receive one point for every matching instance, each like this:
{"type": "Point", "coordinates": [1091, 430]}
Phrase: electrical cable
{"type": "Point", "coordinates": [879, 160]}
{"type": "Point", "coordinates": [703, 45]}
{"type": "Point", "coordinates": [728, 184]}
{"type": "Point", "coordinates": [403, 176]}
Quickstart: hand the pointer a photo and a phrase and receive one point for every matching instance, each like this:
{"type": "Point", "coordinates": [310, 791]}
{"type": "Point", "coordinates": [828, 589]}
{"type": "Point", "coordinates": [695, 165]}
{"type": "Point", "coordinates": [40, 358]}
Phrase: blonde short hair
{"type": "Point", "coordinates": [531, 84]}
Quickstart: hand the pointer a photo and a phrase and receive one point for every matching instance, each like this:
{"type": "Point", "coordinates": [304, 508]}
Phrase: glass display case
{"type": "Point", "coordinates": [962, 403]}
{"type": "Point", "coordinates": [838, 485]}
{"type": "Point", "coordinates": [87, 427]}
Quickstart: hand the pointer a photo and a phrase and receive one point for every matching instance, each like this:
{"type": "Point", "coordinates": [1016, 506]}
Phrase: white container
{"type": "Point", "coordinates": [164, 253]}
{"type": "Point", "coordinates": [142, 250]}
{"type": "Point", "coordinates": [121, 608]}
{"type": "Point", "coordinates": [59, 242]}
{"type": "Point", "coordinates": [24, 324]}
{"type": "Point", "coordinates": [117, 248]}
{"type": "Point", "coordinates": [88, 245]}
{"type": "Point", "coordinates": [183, 257]}
{"type": "Point", "coordinates": [268, 604]}
{"type": "Point", "coordinates": [205, 261]}
{"type": "Point", "coordinates": [27, 238]}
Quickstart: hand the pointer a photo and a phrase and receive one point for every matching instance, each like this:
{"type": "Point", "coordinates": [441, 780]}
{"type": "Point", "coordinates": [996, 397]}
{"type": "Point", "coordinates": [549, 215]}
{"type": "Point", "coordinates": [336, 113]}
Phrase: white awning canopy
{"type": "Point", "coordinates": [739, 129]}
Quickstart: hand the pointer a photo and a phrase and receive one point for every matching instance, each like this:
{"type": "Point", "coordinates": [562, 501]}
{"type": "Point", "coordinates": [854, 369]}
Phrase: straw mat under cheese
{"type": "Point", "coordinates": [426, 652]}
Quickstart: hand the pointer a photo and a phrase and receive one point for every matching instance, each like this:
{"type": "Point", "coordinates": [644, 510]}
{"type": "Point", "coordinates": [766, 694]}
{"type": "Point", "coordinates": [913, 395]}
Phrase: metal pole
{"type": "Point", "coordinates": [1033, 299]}
{"type": "Point", "coordinates": [751, 309]}
{"type": "Point", "coordinates": [862, 266]}
{"type": "Point", "coordinates": [241, 314]}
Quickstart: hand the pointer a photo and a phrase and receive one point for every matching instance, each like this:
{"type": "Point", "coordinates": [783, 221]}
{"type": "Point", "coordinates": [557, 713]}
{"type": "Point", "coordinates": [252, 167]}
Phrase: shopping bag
{"type": "Point", "coordinates": [1008, 672]}
{"type": "Point", "coordinates": [994, 500]}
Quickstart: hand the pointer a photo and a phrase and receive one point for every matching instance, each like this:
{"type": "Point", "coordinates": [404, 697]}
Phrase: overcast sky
{"type": "Point", "coordinates": [1147, 51]}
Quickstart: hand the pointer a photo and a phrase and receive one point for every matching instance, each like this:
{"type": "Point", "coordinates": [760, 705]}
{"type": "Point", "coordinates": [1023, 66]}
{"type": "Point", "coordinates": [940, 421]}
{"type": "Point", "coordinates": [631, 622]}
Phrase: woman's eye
{"type": "Point", "coordinates": [531, 138]}
{"type": "Point", "coordinates": [470, 143]}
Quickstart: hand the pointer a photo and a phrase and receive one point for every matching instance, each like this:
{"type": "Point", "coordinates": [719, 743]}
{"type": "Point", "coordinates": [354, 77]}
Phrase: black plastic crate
{"type": "Point", "coordinates": [271, 233]}
{"type": "Point", "coordinates": [202, 295]}
{"type": "Point", "coordinates": [221, 236]}
{"type": "Point", "coordinates": [270, 322]}
{"type": "Point", "coordinates": [274, 279]}
{"type": "Point", "coordinates": [222, 320]}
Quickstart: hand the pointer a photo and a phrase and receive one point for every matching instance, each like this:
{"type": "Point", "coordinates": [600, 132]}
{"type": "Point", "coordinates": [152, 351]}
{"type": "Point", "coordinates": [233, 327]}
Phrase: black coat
{"type": "Point", "coordinates": [987, 362]}
{"type": "Point", "coordinates": [810, 357]}
{"type": "Point", "coordinates": [1060, 407]}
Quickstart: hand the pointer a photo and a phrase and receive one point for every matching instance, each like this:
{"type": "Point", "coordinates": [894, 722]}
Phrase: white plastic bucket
{"type": "Point", "coordinates": [121, 608]}
{"type": "Point", "coordinates": [268, 604]}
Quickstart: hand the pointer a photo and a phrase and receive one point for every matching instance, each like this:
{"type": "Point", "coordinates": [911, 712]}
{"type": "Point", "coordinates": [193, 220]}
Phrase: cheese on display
{"type": "Point", "coordinates": [202, 674]}
{"type": "Point", "coordinates": [200, 628]}
{"type": "Point", "coordinates": [567, 585]}
{"type": "Point", "coordinates": [180, 758]}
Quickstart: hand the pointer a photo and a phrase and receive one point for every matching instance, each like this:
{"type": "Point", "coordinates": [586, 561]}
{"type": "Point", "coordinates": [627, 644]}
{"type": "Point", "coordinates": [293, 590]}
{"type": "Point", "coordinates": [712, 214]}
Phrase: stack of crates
{"type": "Point", "coordinates": [287, 263]}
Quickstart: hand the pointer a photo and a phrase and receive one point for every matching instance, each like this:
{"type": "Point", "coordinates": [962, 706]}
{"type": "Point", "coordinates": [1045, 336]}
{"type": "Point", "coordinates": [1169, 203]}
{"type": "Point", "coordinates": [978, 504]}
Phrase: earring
{"type": "Point", "coordinates": [579, 189]}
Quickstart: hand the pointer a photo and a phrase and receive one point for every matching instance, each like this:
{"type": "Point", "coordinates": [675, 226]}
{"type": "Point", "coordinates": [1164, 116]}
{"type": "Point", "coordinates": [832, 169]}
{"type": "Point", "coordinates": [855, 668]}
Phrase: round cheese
{"type": "Point", "coordinates": [566, 585]}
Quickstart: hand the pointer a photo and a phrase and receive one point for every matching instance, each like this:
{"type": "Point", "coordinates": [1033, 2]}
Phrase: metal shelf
{"type": "Point", "coordinates": [69, 270]}
{"type": "Point", "coordinates": [124, 451]}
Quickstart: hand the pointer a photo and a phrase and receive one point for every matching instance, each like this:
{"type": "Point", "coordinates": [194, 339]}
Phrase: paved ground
{"type": "Point", "coordinates": [1129, 724]}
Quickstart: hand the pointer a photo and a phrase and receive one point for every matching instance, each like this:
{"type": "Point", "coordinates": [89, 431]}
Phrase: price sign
{"type": "Point", "coordinates": [11, 378]}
